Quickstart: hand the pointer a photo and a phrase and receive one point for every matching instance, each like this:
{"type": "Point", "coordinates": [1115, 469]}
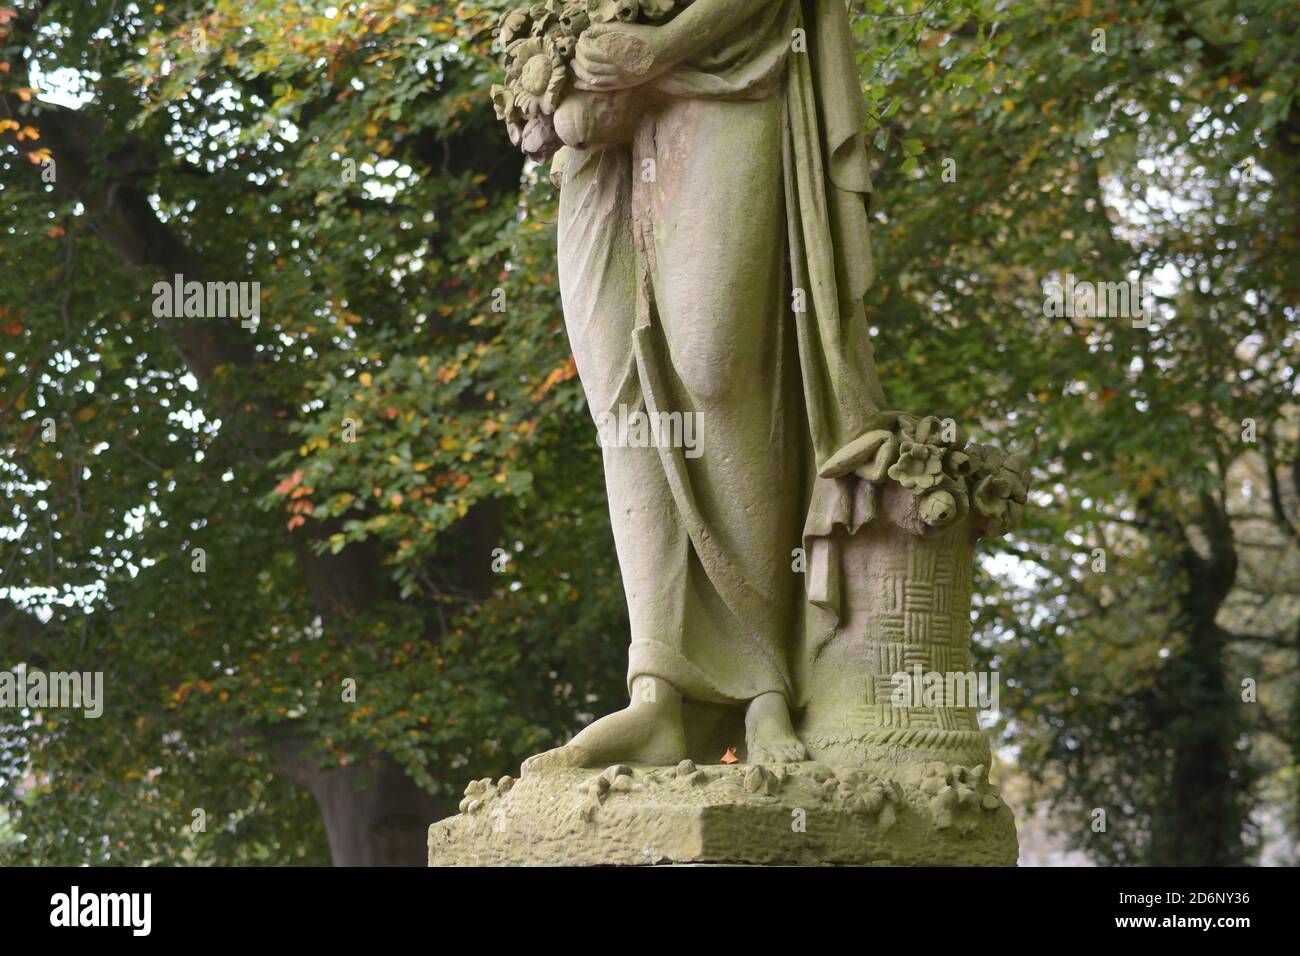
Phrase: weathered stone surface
{"type": "Point", "coordinates": [797, 562]}
{"type": "Point", "coordinates": [798, 814]}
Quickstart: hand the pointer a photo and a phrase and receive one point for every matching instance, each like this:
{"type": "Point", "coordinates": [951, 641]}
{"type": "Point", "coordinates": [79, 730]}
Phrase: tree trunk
{"type": "Point", "coordinates": [1204, 811]}
{"type": "Point", "coordinates": [1204, 821]}
{"type": "Point", "coordinates": [374, 814]}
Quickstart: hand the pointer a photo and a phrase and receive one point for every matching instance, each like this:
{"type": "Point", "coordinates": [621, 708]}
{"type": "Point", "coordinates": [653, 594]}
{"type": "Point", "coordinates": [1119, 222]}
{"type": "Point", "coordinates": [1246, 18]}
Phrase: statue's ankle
{"type": "Point", "coordinates": [655, 692]}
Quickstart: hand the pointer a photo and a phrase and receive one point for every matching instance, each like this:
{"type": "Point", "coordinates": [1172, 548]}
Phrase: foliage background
{"type": "Point", "coordinates": [345, 156]}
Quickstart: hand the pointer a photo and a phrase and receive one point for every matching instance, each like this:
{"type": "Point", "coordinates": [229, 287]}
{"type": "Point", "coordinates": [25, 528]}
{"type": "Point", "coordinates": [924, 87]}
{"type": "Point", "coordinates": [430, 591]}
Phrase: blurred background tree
{"type": "Point", "coordinates": [1156, 583]}
{"type": "Point", "coordinates": [336, 565]}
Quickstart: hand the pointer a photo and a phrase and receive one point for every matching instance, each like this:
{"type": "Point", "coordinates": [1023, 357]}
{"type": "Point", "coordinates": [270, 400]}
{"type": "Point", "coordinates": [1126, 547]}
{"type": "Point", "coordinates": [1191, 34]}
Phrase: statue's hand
{"type": "Point", "coordinates": [615, 56]}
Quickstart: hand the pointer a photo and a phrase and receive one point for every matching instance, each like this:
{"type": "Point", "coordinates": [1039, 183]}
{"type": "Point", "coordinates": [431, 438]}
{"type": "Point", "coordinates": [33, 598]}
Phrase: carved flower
{"type": "Point", "coordinates": [515, 131]}
{"type": "Point", "coordinates": [512, 25]}
{"type": "Point", "coordinates": [938, 508]}
{"type": "Point", "coordinates": [574, 19]}
{"type": "Point", "coordinates": [931, 429]}
{"type": "Point", "coordinates": [539, 141]}
{"type": "Point", "coordinates": [1001, 486]}
{"type": "Point", "coordinates": [946, 503]}
{"type": "Point", "coordinates": [657, 11]}
{"type": "Point", "coordinates": [986, 457]}
{"type": "Point", "coordinates": [959, 464]}
{"type": "Point", "coordinates": [546, 24]}
{"type": "Point", "coordinates": [503, 103]}
{"type": "Point", "coordinates": [919, 466]}
{"type": "Point", "coordinates": [605, 11]}
{"type": "Point", "coordinates": [993, 496]}
{"type": "Point", "coordinates": [541, 76]}
{"type": "Point", "coordinates": [525, 50]}
{"type": "Point", "coordinates": [565, 46]}
{"type": "Point", "coordinates": [1016, 467]}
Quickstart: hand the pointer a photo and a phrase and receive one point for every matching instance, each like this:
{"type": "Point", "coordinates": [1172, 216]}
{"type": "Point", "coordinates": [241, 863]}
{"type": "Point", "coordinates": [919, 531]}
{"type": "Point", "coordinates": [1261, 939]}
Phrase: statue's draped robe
{"type": "Point", "coordinates": [716, 266]}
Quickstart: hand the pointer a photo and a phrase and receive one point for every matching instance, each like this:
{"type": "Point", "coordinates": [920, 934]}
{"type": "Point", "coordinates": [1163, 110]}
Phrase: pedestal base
{"type": "Point", "coordinates": [932, 814]}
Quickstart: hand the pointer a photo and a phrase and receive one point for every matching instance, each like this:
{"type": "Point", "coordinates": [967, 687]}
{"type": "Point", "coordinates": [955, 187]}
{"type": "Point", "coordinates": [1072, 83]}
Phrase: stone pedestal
{"type": "Point", "coordinates": [887, 702]}
{"type": "Point", "coordinates": [802, 814]}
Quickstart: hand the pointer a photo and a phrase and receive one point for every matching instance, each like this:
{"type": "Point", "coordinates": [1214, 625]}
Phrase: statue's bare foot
{"type": "Point", "coordinates": [769, 735]}
{"type": "Point", "coordinates": [648, 731]}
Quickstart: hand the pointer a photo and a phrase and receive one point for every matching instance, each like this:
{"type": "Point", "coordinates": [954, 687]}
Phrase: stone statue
{"type": "Point", "coordinates": [714, 254]}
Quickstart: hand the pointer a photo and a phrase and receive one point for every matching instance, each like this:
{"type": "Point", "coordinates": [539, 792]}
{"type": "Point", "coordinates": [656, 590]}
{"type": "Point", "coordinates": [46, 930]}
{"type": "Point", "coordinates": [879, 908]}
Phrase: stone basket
{"type": "Point", "coordinates": [906, 604]}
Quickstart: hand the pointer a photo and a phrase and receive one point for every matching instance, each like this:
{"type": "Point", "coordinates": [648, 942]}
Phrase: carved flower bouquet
{"type": "Point", "coordinates": [932, 460]}
{"type": "Point", "coordinates": [538, 44]}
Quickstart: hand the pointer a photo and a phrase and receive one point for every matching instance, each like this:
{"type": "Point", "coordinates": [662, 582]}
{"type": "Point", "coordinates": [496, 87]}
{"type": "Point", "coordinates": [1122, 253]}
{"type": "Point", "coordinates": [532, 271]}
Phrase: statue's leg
{"type": "Point", "coordinates": [711, 219]}
{"type": "Point", "coordinates": [598, 283]}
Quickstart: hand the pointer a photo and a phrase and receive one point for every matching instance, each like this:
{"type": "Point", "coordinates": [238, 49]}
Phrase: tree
{"type": "Point", "coordinates": [278, 541]}
{"type": "Point", "coordinates": [1114, 141]}
{"type": "Point", "coordinates": [339, 560]}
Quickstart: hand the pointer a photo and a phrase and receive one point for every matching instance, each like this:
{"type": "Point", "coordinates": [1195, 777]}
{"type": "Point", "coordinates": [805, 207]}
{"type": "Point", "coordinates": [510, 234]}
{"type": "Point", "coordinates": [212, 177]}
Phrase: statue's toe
{"type": "Point", "coordinates": [561, 758]}
{"type": "Point", "coordinates": [793, 752]}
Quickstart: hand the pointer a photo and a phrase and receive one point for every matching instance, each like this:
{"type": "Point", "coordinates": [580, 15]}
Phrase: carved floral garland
{"type": "Point", "coordinates": [932, 460]}
{"type": "Point", "coordinates": [539, 42]}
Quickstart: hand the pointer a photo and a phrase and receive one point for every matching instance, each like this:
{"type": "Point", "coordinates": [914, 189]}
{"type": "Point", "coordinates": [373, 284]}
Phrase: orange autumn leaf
{"type": "Point", "coordinates": [561, 374]}
{"type": "Point", "coordinates": [288, 484]}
